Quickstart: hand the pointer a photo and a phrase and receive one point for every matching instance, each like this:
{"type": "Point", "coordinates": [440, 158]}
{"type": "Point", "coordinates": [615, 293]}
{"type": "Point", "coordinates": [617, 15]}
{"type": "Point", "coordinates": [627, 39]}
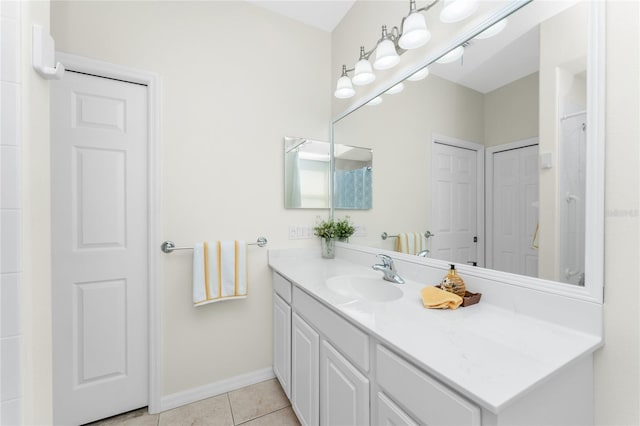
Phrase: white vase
{"type": "Point", "coordinates": [328, 246]}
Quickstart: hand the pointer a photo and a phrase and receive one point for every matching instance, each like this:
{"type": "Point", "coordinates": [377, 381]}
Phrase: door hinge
{"type": "Point", "coordinates": [475, 239]}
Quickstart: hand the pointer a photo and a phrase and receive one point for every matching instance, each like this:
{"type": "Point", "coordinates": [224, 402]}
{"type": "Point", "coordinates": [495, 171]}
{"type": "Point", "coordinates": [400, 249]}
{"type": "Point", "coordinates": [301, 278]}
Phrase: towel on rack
{"type": "Point", "coordinates": [219, 271]}
{"type": "Point", "coordinates": [411, 242]}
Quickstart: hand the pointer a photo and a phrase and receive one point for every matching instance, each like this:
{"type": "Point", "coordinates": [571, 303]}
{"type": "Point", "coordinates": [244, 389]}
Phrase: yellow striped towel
{"type": "Point", "coordinates": [219, 271]}
{"type": "Point", "coordinates": [411, 242]}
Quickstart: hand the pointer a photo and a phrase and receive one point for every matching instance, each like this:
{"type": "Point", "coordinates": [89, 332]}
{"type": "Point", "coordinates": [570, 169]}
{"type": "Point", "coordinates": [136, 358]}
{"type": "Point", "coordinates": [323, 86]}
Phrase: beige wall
{"type": "Point", "coordinates": [36, 229]}
{"type": "Point", "coordinates": [617, 393]}
{"type": "Point", "coordinates": [228, 99]}
{"type": "Point", "coordinates": [511, 112]}
{"type": "Point", "coordinates": [617, 369]}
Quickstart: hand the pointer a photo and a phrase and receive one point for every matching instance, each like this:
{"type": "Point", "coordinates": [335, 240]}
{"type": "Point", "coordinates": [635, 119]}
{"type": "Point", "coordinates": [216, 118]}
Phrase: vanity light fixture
{"type": "Point", "coordinates": [395, 89]}
{"type": "Point", "coordinates": [344, 88]}
{"type": "Point", "coordinates": [457, 10]}
{"type": "Point", "coordinates": [421, 74]}
{"type": "Point", "coordinates": [492, 30]}
{"type": "Point", "coordinates": [413, 33]}
{"type": "Point", "coordinates": [452, 55]}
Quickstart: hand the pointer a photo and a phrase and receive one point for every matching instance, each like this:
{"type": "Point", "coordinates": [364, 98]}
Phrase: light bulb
{"type": "Point", "coordinates": [386, 56]}
{"type": "Point", "coordinates": [375, 101]}
{"type": "Point", "coordinates": [395, 89]}
{"type": "Point", "coordinates": [419, 75]}
{"type": "Point", "coordinates": [414, 32]}
{"type": "Point", "coordinates": [492, 30]}
{"type": "Point", "coordinates": [452, 55]}
{"type": "Point", "coordinates": [457, 10]}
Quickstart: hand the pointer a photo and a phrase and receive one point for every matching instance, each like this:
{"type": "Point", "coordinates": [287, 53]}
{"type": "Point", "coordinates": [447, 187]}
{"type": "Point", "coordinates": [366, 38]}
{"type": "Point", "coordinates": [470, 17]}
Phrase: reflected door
{"type": "Point", "coordinates": [454, 204]}
{"type": "Point", "coordinates": [99, 247]}
{"type": "Point", "coordinates": [514, 211]}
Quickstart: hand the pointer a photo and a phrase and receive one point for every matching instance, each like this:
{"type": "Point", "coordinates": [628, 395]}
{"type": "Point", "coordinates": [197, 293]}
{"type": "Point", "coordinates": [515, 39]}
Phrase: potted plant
{"type": "Point", "coordinates": [331, 230]}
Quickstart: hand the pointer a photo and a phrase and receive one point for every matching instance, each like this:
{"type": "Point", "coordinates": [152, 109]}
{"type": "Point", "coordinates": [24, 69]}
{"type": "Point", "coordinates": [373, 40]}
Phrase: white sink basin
{"type": "Point", "coordinates": [354, 287]}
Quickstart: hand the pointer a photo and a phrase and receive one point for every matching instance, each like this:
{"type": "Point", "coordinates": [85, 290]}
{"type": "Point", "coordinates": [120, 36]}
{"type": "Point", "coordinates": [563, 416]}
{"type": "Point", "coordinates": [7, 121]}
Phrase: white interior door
{"type": "Point", "coordinates": [514, 211]}
{"type": "Point", "coordinates": [99, 190]}
{"type": "Point", "coordinates": [454, 203]}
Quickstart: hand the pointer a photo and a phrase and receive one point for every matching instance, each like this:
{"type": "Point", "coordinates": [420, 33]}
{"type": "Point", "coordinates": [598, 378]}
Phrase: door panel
{"type": "Point", "coordinates": [454, 203]}
{"type": "Point", "coordinates": [515, 210]}
{"type": "Point", "coordinates": [99, 247]}
{"type": "Point", "coordinates": [344, 390]}
{"type": "Point", "coordinates": [305, 371]}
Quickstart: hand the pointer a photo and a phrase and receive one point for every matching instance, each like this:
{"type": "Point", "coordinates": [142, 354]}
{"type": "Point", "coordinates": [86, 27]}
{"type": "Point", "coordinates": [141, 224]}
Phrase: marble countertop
{"type": "Point", "coordinates": [489, 354]}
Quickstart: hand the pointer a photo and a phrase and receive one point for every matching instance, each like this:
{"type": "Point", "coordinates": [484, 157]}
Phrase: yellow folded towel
{"type": "Point", "coordinates": [435, 298]}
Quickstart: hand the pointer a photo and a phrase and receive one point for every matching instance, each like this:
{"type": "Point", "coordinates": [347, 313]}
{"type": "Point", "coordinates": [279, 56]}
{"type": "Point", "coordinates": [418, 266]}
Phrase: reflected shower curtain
{"type": "Point", "coordinates": [353, 188]}
{"type": "Point", "coordinates": [293, 197]}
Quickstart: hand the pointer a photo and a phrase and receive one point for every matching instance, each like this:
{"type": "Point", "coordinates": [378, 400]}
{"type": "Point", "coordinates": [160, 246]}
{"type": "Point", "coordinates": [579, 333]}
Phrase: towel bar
{"type": "Point", "coordinates": [169, 246]}
{"type": "Point", "coordinates": [384, 235]}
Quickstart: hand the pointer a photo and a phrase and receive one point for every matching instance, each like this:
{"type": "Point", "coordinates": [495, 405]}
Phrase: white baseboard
{"type": "Point", "coordinates": [212, 389]}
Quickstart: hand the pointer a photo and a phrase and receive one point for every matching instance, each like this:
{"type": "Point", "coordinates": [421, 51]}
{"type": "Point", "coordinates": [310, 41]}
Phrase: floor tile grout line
{"type": "Point", "coordinates": [233, 419]}
{"type": "Point", "coordinates": [264, 415]}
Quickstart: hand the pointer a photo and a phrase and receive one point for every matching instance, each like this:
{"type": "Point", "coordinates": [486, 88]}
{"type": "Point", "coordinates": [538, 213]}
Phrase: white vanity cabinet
{"type": "Point", "coordinates": [360, 362]}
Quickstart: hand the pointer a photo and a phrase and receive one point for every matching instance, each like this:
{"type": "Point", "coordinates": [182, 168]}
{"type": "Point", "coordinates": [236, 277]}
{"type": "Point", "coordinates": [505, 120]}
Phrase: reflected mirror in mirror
{"type": "Point", "coordinates": [307, 172]}
{"type": "Point", "coordinates": [487, 152]}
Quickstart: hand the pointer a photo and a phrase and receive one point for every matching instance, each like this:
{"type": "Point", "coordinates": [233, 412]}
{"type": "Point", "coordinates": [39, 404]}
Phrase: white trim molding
{"type": "Point", "coordinates": [154, 157]}
{"type": "Point", "coordinates": [216, 388]}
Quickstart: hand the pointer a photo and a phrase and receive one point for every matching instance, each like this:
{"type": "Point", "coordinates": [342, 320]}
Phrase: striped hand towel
{"type": "Point", "coordinates": [219, 271]}
{"type": "Point", "coordinates": [411, 242]}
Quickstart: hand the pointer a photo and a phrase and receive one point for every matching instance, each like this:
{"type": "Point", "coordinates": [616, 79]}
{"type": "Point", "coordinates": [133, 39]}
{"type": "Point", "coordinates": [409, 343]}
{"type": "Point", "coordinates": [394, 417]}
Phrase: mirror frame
{"type": "Point", "coordinates": [593, 291]}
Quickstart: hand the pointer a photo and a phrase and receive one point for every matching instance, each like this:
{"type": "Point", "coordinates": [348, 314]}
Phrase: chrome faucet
{"type": "Point", "coordinates": [423, 253]}
{"type": "Point", "coordinates": [388, 269]}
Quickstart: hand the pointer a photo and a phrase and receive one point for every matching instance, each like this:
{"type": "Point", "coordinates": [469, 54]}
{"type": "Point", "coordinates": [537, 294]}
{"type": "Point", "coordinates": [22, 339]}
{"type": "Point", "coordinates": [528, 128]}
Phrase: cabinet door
{"type": "Point", "coordinates": [390, 414]}
{"type": "Point", "coordinates": [305, 353]}
{"type": "Point", "coordinates": [344, 391]}
{"type": "Point", "coordinates": [282, 343]}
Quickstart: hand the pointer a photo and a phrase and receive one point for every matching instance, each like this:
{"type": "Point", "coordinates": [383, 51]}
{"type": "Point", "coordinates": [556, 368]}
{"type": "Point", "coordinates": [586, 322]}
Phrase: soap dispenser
{"type": "Point", "coordinates": [453, 283]}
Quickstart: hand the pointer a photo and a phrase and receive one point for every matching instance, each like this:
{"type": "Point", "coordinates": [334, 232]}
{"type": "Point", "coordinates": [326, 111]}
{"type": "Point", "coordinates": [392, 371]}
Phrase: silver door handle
{"type": "Point", "coordinates": [429, 234]}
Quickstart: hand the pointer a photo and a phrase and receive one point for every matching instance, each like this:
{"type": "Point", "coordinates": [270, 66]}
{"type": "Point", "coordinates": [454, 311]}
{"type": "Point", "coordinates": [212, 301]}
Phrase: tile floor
{"type": "Point", "coordinates": [262, 404]}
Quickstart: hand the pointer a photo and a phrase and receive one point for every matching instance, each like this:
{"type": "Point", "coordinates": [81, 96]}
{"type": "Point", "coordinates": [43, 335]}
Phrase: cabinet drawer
{"type": "Point", "coordinates": [282, 287]}
{"type": "Point", "coordinates": [351, 342]}
{"type": "Point", "coordinates": [390, 414]}
{"type": "Point", "coordinates": [430, 401]}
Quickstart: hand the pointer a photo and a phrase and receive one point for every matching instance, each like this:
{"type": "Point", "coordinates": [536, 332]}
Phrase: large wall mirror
{"type": "Point", "coordinates": [494, 155]}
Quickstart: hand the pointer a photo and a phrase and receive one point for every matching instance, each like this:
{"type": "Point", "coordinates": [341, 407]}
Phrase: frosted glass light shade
{"type": "Point", "coordinates": [452, 55]}
{"type": "Point", "coordinates": [419, 75]}
{"type": "Point", "coordinates": [457, 10]}
{"type": "Point", "coordinates": [375, 101]}
{"type": "Point", "coordinates": [363, 74]}
{"type": "Point", "coordinates": [395, 89]}
{"type": "Point", "coordinates": [344, 89]}
{"type": "Point", "coordinates": [415, 32]}
{"type": "Point", "coordinates": [492, 30]}
{"type": "Point", "coordinates": [386, 55]}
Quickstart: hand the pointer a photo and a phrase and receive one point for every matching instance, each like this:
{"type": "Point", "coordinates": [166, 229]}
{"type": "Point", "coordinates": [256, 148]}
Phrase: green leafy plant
{"type": "Point", "coordinates": [334, 229]}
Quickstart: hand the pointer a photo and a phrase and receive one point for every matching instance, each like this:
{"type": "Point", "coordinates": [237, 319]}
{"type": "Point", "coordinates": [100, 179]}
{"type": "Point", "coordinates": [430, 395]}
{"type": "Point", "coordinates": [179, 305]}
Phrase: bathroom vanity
{"type": "Point", "coordinates": [352, 349]}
